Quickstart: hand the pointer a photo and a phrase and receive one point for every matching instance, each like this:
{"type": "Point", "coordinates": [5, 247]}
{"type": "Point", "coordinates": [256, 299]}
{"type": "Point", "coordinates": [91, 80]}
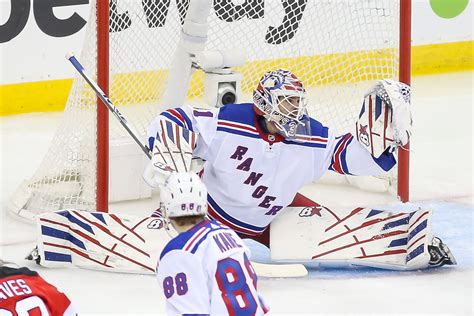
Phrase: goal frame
{"type": "Point", "coordinates": [103, 13]}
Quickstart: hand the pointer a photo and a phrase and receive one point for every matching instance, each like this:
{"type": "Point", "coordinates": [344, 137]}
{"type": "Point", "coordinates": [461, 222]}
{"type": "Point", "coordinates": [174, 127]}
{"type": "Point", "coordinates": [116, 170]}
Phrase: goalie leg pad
{"type": "Point", "coordinates": [358, 237]}
{"type": "Point", "coordinates": [101, 241]}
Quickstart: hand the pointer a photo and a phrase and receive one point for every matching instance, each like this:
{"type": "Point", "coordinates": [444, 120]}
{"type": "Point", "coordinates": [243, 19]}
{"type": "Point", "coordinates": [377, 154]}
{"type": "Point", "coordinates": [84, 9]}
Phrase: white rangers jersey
{"type": "Point", "coordinates": [252, 175]}
{"type": "Point", "coordinates": [206, 271]}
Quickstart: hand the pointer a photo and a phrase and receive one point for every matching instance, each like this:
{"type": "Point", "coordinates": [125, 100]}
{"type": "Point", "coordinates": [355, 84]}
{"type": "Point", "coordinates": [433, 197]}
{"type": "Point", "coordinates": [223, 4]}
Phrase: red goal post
{"type": "Point", "coordinates": [338, 48]}
{"type": "Point", "coordinates": [405, 77]}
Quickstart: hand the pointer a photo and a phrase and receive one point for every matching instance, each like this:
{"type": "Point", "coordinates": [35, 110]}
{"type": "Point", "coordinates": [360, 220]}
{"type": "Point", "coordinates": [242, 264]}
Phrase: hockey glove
{"type": "Point", "coordinates": [172, 152]}
{"type": "Point", "coordinates": [397, 96]}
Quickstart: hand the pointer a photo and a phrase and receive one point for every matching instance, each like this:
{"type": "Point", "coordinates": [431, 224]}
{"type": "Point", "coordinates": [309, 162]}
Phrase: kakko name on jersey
{"type": "Point", "coordinates": [252, 175]}
{"type": "Point", "coordinates": [209, 263]}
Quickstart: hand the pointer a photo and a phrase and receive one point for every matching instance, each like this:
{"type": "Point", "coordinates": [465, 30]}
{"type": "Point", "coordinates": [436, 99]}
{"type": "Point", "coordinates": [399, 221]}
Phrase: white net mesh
{"type": "Point", "coordinates": [337, 48]}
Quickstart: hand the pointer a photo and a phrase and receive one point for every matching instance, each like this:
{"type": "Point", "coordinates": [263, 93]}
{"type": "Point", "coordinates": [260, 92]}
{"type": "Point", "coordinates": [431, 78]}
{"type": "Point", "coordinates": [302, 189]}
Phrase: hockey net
{"type": "Point", "coordinates": [338, 48]}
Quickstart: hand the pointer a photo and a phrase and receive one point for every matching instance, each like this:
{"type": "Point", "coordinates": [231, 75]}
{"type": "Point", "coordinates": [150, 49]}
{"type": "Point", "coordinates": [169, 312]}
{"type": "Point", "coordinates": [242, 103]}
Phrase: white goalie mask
{"type": "Point", "coordinates": [183, 194]}
{"type": "Point", "coordinates": [281, 98]}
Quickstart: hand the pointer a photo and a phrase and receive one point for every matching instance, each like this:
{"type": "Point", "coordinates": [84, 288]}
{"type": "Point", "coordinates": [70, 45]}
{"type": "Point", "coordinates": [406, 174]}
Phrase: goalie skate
{"type": "Point", "coordinates": [34, 255]}
{"type": "Point", "coordinates": [440, 254]}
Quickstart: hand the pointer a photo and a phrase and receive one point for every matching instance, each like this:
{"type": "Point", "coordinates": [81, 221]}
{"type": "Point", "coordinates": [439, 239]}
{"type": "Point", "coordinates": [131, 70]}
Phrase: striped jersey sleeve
{"type": "Point", "coordinates": [347, 156]}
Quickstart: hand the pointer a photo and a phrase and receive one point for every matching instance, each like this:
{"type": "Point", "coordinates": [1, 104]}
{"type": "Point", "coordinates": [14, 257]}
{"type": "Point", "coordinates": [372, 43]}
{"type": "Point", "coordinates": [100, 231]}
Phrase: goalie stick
{"type": "Point", "coordinates": [262, 269]}
{"type": "Point", "coordinates": [291, 270]}
{"type": "Point", "coordinates": [106, 101]}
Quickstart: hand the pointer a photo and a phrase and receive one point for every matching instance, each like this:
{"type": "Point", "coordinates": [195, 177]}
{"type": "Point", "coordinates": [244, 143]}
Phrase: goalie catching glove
{"type": "Point", "coordinates": [397, 96]}
{"type": "Point", "coordinates": [385, 119]}
{"type": "Point", "coordinates": [172, 150]}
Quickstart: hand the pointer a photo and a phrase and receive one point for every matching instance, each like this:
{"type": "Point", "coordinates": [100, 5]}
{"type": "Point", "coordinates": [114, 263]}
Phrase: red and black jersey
{"type": "Point", "coordinates": [23, 291]}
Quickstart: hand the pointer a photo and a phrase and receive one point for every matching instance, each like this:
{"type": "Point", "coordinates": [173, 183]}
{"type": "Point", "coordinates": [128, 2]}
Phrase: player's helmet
{"type": "Point", "coordinates": [281, 98]}
{"type": "Point", "coordinates": [183, 194]}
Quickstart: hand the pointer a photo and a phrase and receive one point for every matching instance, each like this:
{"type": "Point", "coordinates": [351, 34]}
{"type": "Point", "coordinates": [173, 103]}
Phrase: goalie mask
{"type": "Point", "coordinates": [183, 194]}
{"type": "Point", "coordinates": [281, 98]}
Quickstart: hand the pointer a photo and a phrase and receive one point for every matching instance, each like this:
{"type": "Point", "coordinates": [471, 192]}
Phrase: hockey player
{"type": "Point", "coordinates": [24, 292]}
{"type": "Point", "coordinates": [258, 155]}
{"type": "Point", "coordinates": [205, 269]}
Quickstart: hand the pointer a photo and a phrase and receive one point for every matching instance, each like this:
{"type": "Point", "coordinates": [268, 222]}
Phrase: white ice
{"type": "Point", "coordinates": [441, 179]}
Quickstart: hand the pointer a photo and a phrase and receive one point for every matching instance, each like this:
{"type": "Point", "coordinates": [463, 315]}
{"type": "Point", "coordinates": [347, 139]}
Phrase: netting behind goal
{"type": "Point", "coordinates": [337, 48]}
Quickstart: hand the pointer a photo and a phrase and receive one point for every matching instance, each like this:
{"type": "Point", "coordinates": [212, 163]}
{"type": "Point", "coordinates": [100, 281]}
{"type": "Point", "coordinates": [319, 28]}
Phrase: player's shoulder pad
{"type": "Point", "coordinates": [240, 113]}
{"type": "Point", "coordinates": [318, 129]}
{"type": "Point", "coordinates": [176, 243]}
{"type": "Point", "coordinates": [185, 239]}
{"type": "Point", "coordinates": [8, 271]}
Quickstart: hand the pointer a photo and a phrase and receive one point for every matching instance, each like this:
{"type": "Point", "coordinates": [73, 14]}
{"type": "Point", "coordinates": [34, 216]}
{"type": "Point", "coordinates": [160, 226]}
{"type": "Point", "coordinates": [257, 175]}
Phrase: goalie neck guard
{"type": "Point", "coordinates": [183, 194]}
{"type": "Point", "coordinates": [281, 98]}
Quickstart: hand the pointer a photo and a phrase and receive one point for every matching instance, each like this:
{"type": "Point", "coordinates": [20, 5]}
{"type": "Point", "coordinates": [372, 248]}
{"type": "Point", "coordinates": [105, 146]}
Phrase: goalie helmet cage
{"type": "Point", "coordinates": [338, 48]}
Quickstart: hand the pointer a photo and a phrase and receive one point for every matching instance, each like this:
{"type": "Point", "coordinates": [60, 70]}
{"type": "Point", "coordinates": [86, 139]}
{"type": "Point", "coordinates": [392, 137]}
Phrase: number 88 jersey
{"type": "Point", "coordinates": [206, 270]}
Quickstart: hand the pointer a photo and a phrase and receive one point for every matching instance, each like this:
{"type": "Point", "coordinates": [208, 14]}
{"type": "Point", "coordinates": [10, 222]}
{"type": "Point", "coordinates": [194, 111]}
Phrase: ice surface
{"type": "Point", "coordinates": [441, 179]}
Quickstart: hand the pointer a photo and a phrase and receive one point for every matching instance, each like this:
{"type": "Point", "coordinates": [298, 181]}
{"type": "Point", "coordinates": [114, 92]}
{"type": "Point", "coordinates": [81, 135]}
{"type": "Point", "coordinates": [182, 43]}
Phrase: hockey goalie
{"type": "Point", "coordinates": [256, 158]}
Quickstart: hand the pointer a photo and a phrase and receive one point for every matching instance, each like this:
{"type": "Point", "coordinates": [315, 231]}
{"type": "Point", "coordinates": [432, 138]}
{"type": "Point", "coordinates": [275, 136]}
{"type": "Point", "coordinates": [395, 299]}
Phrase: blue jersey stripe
{"type": "Point", "coordinates": [204, 237]}
{"type": "Point", "coordinates": [386, 160]}
{"type": "Point", "coordinates": [229, 218]}
{"type": "Point", "coordinates": [237, 132]}
{"type": "Point", "coordinates": [343, 157]}
{"type": "Point", "coordinates": [239, 113]}
{"type": "Point", "coordinates": [306, 144]}
{"type": "Point", "coordinates": [181, 240]}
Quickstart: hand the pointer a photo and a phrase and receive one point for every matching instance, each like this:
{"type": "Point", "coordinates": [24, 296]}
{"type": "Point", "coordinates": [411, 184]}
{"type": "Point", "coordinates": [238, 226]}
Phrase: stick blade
{"type": "Point", "coordinates": [280, 270]}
